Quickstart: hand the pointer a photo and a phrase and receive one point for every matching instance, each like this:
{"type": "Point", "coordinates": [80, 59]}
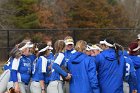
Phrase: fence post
{"type": "Point", "coordinates": [8, 43]}
{"type": "Point", "coordinates": [74, 37]}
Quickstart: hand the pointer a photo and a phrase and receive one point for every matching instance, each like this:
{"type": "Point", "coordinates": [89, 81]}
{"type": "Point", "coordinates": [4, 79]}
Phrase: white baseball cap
{"type": "Point", "coordinates": [95, 47]}
{"type": "Point", "coordinates": [69, 41]}
{"type": "Point", "coordinates": [46, 48]}
{"type": "Point", "coordinates": [25, 46]}
{"type": "Point", "coordinates": [88, 48]}
{"type": "Point", "coordinates": [138, 36]}
{"type": "Point", "coordinates": [106, 43]}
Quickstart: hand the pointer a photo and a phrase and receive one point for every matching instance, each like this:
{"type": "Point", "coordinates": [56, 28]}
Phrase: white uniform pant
{"type": "Point", "coordinates": [55, 87]}
{"type": "Point", "coordinates": [22, 86]}
{"type": "Point", "coordinates": [66, 87]}
{"type": "Point", "coordinates": [125, 87]}
{"type": "Point", "coordinates": [4, 79]}
{"type": "Point", "coordinates": [35, 87]}
{"type": "Point", "coordinates": [28, 87]}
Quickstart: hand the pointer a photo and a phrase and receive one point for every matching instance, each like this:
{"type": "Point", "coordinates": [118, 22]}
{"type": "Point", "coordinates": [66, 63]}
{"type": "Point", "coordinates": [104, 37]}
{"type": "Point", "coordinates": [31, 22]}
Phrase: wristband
{"type": "Point", "coordinates": [42, 89]}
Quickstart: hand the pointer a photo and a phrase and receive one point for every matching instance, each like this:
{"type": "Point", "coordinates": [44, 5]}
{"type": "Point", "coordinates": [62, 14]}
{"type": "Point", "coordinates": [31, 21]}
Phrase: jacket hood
{"type": "Point", "coordinates": [109, 54]}
{"type": "Point", "coordinates": [77, 57]}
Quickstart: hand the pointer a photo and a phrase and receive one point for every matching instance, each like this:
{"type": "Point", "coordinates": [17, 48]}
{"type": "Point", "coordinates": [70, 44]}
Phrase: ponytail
{"type": "Point", "coordinates": [118, 47]}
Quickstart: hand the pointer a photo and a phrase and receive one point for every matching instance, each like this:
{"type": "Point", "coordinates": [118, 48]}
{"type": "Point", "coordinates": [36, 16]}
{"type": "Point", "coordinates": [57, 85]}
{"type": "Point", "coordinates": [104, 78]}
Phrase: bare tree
{"type": "Point", "coordinates": [132, 7]}
{"type": "Point", "coordinates": [5, 12]}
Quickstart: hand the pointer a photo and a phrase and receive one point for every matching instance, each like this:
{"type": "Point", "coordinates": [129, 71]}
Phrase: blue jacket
{"type": "Point", "coordinates": [32, 57]}
{"type": "Point", "coordinates": [41, 71]}
{"type": "Point", "coordinates": [136, 62]}
{"type": "Point", "coordinates": [9, 64]}
{"type": "Point", "coordinates": [57, 71]}
{"type": "Point", "coordinates": [21, 70]}
{"type": "Point", "coordinates": [130, 74]}
{"type": "Point", "coordinates": [83, 70]}
{"type": "Point", "coordinates": [50, 59]}
{"type": "Point", "coordinates": [68, 54]}
{"type": "Point", "coordinates": [110, 73]}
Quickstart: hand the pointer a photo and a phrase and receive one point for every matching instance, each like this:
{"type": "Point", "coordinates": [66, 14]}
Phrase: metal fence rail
{"type": "Point", "coordinates": [9, 37]}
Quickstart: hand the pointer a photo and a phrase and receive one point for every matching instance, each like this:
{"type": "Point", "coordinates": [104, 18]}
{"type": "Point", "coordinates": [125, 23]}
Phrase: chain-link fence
{"type": "Point", "coordinates": [8, 38]}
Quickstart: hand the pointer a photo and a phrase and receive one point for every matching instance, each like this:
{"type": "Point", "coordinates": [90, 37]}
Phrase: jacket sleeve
{"type": "Point", "coordinates": [98, 59]}
{"type": "Point", "coordinates": [56, 65]}
{"type": "Point", "coordinates": [14, 76]}
{"type": "Point", "coordinates": [59, 70]}
{"type": "Point", "coordinates": [6, 66]}
{"type": "Point", "coordinates": [130, 75]}
{"type": "Point", "coordinates": [93, 76]}
{"type": "Point", "coordinates": [14, 70]}
{"type": "Point", "coordinates": [136, 61]}
{"type": "Point", "coordinates": [40, 72]}
{"type": "Point", "coordinates": [133, 77]}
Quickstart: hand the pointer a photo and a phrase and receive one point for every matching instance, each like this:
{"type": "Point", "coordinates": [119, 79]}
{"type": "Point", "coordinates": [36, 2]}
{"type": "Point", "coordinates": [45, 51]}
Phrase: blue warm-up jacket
{"type": "Point", "coordinates": [83, 70]}
{"type": "Point", "coordinates": [110, 73]}
{"type": "Point", "coordinates": [136, 62]}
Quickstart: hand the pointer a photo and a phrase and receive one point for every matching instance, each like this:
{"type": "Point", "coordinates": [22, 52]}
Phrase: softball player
{"type": "Point", "coordinates": [56, 81]}
{"type": "Point", "coordinates": [111, 67]}
{"type": "Point", "coordinates": [133, 54]}
{"type": "Point", "coordinates": [21, 70]}
{"type": "Point", "coordinates": [95, 50]}
{"type": "Point", "coordinates": [41, 71]}
{"type": "Point", "coordinates": [83, 70]}
{"type": "Point", "coordinates": [69, 50]}
{"type": "Point", "coordinates": [4, 78]}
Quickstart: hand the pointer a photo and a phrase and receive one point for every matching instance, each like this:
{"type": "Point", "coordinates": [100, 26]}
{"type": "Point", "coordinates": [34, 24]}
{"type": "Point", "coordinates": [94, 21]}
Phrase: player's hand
{"type": "Point", "coordinates": [134, 91]}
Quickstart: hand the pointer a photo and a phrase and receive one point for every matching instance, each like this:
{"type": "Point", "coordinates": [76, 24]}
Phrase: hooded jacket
{"type": "Point", "coordinates": [110, 73]}
{"type": "Point", "coordinates": [83, 70]}
{"type": "Point", "coordinates": [136, 62]}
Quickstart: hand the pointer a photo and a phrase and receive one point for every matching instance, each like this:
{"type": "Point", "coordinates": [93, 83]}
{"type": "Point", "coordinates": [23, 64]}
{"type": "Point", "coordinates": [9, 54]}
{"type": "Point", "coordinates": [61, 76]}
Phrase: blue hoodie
{"type": "Point", "coordinates": [110, 73]}
{"type": "Point", "coordinates": [136, 62]}
{"type": "Point", "coordinates": [83, 70]}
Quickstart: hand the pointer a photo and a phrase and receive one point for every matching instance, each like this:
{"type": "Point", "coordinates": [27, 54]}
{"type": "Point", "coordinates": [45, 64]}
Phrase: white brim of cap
{"type": "Point", "coordinates": [25, 46]}
{"type": "Point", "coordinates": [101, 42]}
{"type": "Point", "coordinates": [136, 49]}
{"type": "Point", "coordinates": [68, 43]}
{"type": "Point", "coordinates": [106, 43]}
{"type": "Point", "coordinates": [31, 45]}
{"type": "Point", "coordinates": [46, 48]}
{"type": "Point", "coordinates": [95, 47]}
{"type": "Point", "coordinates": [89, 48]}
{"type": "Point", "coordinates": [138, 36]}
{"type": "Point", "coordinates": [50, 48]}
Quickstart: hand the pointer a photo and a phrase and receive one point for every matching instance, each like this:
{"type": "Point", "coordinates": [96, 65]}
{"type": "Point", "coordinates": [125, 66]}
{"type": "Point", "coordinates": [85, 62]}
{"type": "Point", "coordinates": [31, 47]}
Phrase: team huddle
{"type": "Point", "coordinates": [83, 68]}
